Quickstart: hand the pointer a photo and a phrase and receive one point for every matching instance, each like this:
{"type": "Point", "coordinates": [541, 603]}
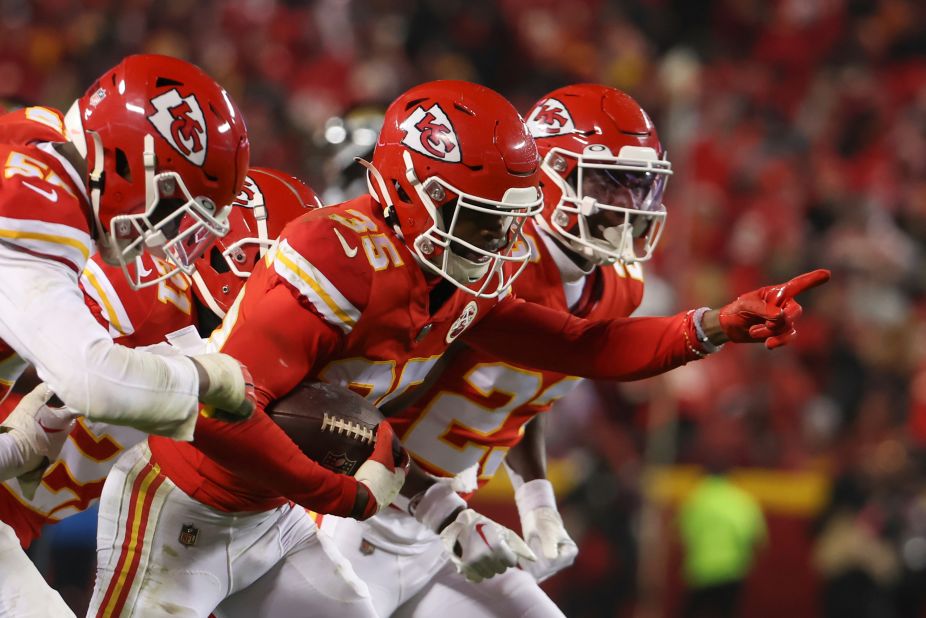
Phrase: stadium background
{"type": "Point", "coordinates": [797, 131]}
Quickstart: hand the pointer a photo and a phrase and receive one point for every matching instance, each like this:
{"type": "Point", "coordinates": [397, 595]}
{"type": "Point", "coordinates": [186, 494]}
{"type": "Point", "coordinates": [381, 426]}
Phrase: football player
{"type": "Point", "coordinates": [369, 294]}
{"type": "Point", "coordinates": [78, 183]}
{"type": "Point", "coordinates": [603, 173]}
{"type": "Point", "coordinates": [145, 161]}
{"type": "Point", "coordinates": [169, 311]}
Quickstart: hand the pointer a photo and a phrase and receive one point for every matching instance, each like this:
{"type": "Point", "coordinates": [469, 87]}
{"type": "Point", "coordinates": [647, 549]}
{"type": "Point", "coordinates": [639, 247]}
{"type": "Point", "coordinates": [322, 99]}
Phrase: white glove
{"type": "Point", "coordinates": [39, 432]}
{"type": "Point", "coordinates": [481, 548]}
{"type": "Point", "coordinates": [384, 471]}
{"type": "Point", "coordinates": [543, 530]}
{"type": "Point", "coordinates": [230, 394]}
{"type": "Point", "coordinates": [478, 547]}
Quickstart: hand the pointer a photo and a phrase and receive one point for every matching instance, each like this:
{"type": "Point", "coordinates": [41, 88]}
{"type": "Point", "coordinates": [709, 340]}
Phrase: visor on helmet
{"type": "Point", "coordinates": [615, 201]}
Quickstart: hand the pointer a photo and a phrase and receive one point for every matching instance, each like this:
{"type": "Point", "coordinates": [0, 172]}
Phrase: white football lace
{"type": "Point", "coordinates": [357, 431]}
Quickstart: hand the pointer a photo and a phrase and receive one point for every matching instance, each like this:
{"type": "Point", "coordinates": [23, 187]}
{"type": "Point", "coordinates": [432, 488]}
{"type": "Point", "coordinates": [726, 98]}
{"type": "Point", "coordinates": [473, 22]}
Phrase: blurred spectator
{"type": "Point", "coordinates": [344, 139]}
{"type": "Point", "coordinates": [871, 544]}
{"type": "Point", "coordinates": [721, 529]}
{"type": "Point", "coordinates": [859, 566]}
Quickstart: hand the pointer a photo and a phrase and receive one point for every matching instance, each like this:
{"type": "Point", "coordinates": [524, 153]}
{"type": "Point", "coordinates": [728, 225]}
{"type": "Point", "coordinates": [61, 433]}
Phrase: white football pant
{"type": "Point", "coordinates": [23, 591]}
{"type": "Point", "coordinates": [410, 576]}
{"type": "Point", "coordinates": [161, 553]}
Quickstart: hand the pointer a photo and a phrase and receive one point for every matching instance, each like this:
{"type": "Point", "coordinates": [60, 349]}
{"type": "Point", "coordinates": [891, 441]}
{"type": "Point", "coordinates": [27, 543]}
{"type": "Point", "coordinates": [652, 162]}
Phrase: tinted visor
{"type": "Point", "coordinates": [624, 189]}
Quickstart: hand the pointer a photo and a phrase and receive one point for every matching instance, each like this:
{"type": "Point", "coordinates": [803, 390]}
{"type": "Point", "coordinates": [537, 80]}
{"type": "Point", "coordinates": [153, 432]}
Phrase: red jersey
{"type": "Point", "coordinates": [140, 317]}
{"type": "Point", "coordinates": [134, 317]}
{"type": "Point", "coordinates": [43, 204]}
{"type": "Point", "coordinates": [342, 299]}
{"type": "Point", "coordinates": [476, 410]}
{"type": "Point", "coordinates": [342, 272]}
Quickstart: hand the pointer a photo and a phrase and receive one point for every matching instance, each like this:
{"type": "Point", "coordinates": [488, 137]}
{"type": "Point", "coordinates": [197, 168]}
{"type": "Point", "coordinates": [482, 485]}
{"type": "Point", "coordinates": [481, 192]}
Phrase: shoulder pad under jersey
{"type": "Point", "coordinates": [323, 255]}
{"type": "Point", "coordinates": [40, 210]}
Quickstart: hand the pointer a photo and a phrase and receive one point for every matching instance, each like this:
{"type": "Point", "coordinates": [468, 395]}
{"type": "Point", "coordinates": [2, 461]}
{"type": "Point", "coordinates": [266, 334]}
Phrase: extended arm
{"type": "Point", "coordinates": [634, 348]}
{"type": "Point", "coordinates": [44, 319]}
{"type": "Point", "coordinates": [624, 348]}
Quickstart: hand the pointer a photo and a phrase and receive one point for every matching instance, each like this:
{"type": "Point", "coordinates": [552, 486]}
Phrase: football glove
{"type": "Point", "coordinates": [229, 394]}
{"type": "Point", "coordinates": [39, 432]}
{"type": "Point", "coordinates": [479, 548]}
{"type": "Point", "coordinates": [542, 528]}
{"type": "Point", "coordinates": [382, 475]}
{"type": "Point", "coordinates": [769, 314]}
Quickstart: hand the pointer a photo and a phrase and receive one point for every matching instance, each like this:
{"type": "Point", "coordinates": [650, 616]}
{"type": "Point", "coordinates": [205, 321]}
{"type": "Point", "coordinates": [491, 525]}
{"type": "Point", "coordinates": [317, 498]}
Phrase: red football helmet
{"type": "Point", "coordinates": [604, 172]}
{"type": "Point", "coordinates": [454, 159]}
{"type": "Point", "coordinates": [270, 199]}
{"type": "Point", "coordinates": [167, 151]}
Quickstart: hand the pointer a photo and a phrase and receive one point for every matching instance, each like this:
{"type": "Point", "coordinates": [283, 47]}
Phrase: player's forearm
{"type": "Point", "coordinates": [121, 386]}
{"type": "Point", "coordinates": [76, 357]}
{"type": "Point", "coordinates": [527, 460]}
{"type": "Point", "coordinates": [618, 349]}
{"type": "Point", "coordinates": [416, 481]}
{"type": "Point", "coordinates": [261, 454]}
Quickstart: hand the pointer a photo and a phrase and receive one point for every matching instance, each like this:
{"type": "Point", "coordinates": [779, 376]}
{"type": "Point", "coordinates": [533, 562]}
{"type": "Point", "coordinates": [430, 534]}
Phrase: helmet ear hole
{"type": "Point", "coordinates": [122, 165]}
{"type": "Point", "coordinates": [217, 261]}
{"type": "Point", "coordinates": [401, 192]}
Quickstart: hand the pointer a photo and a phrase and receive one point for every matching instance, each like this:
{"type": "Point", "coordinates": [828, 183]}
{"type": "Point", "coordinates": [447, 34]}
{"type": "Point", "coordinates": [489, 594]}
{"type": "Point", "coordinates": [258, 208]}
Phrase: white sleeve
{"type": "Point", "coordinates": [43, 317]}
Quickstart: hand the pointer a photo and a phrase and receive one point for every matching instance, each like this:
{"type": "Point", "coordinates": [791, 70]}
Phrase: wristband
{"type": "Point", "coordinates": [703, 339]}
{"type": "Point", "coordinates": [435, 505]}
{"type": "Point", "coordinates": [533, 495]}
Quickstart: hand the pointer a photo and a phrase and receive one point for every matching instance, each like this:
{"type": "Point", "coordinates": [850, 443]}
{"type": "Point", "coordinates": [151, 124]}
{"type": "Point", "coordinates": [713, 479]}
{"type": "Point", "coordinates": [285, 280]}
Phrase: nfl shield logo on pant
{"type": "Point", "coordinates": [188, 534]}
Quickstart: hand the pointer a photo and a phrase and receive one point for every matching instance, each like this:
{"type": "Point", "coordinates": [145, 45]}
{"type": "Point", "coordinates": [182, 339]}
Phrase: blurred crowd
{"type": "Point", "coordinates": [797, 132]}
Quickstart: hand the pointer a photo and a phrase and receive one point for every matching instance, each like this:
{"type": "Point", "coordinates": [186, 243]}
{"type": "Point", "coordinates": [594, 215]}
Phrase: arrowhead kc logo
{"type": "Point", "coordinates": [550, 118]}
{"type": "Point", "coordinates": [180, 121]}
{"type": "Point", "coordinates": [430, 133]}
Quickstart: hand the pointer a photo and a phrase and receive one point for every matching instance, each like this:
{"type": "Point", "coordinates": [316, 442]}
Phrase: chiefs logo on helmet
{"type": "Point", "coordinates": [430, 133]}
{"type": "Point", "coordinates": [250, 195]}
{"type": "Point", "coordinates": [550, 118]}
{"type": "Point", "coordinates": [180, 121]}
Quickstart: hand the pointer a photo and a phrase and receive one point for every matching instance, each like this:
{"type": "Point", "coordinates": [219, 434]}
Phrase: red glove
{"type": "Point", "coordinates": [382, 475]}
{"type": "Point", "coordinates": [769, 314]}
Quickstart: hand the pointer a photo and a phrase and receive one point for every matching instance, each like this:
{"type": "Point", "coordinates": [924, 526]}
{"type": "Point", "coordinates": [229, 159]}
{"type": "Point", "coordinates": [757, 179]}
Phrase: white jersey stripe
{"type": "Point", "coordinates": [315, 287]}
{"type": "Point", "coordinates": [97, 285]}
{"type": "Point", "coordinates": [54, 239]}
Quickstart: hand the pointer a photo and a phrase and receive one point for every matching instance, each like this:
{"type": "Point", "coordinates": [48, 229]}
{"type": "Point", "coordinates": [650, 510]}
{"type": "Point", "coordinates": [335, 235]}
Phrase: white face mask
{"type": "Point", "coordinates": [440, 250]}
{"type": "Point", "coordinates": [616, 202]}
{"type": "Point", "coordinates": [180, 237]}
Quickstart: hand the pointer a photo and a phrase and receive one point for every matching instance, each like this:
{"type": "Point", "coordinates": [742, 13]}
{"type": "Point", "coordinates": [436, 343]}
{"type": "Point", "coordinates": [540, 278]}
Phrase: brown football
{"type": "Point", "coordinates": [331, 424]}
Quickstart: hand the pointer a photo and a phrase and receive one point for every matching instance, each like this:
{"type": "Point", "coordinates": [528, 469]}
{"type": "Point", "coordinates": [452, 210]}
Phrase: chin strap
{"type": "Point", "coordinates": [383, 192]}
{"type": "Point", "coordinates": [622, 236]}
{"type": "Point", "coordinates": [260, 215]}
{"type": "Point", "coordinates": [96, 183]}
{"type": "Point", "coordinates": [205, 295]}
